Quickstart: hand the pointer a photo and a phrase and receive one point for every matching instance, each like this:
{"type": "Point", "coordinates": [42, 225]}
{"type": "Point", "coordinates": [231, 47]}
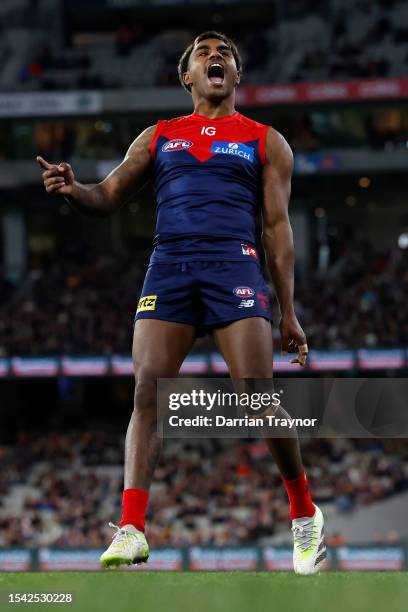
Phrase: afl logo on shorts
{"type": "Point", "coordinates": [244, 292]}
{"type": "Point", "coordinates": [176, 145]}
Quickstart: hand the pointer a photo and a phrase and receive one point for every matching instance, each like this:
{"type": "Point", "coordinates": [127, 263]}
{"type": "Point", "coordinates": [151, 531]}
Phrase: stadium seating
{"type": "Point", "coordinates": [360, 40]}
{"type": "Point", "coordinates": [81, 289]}
{"type": "Point", "coordinates": [62, 489]}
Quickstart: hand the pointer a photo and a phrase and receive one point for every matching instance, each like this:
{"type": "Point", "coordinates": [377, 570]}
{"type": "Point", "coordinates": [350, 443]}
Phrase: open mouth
{"type": "Point", "coordinates": [216, 74]}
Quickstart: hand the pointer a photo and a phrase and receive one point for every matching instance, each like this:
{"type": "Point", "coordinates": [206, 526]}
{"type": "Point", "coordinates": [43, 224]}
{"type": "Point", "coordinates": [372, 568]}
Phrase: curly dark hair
{"type": "Point", "coordinates": [184, 59]}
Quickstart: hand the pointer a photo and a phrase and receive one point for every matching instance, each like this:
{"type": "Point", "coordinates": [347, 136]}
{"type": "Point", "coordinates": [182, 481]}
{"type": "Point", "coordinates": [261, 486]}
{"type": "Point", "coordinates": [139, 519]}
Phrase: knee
{"type": "Point", "coordinates": [145, 394]}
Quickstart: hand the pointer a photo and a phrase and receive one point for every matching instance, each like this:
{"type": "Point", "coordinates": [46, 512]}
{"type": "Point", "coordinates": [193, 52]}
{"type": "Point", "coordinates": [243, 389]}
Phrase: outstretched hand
{"type": "Point", "coordinates": [58, 178]}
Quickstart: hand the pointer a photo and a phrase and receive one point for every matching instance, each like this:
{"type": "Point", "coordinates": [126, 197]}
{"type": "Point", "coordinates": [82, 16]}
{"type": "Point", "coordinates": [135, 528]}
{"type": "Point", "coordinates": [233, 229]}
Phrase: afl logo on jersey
{"type": "Point", "coordinates": [243, 292]}
{"type": "Point", "coordinates": [176, 145]}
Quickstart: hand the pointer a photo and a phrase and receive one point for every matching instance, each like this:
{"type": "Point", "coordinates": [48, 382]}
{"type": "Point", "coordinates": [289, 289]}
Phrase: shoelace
{"type": "Point", "coordinates": [120, 535]}
{"type": "Point", "coordinates": [304, 535]}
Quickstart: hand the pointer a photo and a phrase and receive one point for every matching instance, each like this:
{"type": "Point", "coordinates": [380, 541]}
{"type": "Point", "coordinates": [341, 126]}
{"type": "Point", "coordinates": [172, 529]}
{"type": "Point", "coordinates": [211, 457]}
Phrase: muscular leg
{"type": "Point", "coordinates": [159, 349]}
{"type": "Point", "coordinates": [247, 348]}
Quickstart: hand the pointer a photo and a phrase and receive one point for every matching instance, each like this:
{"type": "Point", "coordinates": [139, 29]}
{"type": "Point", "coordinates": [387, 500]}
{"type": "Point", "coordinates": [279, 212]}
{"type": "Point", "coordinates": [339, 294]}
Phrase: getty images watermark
{"type": "Point", "coordinates": [311, 407]}
{"type": "Point", "coordinates": [266, 404]}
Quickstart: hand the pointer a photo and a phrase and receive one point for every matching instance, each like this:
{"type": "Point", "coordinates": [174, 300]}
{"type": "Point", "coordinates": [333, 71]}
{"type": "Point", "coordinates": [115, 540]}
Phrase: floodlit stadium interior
{"type": "Point", "coordinates": [79, 84]}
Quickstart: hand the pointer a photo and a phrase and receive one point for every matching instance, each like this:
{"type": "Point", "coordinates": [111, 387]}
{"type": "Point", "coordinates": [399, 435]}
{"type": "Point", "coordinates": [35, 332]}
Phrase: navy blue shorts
{"type": "Point", "coordinates": [205, 294]}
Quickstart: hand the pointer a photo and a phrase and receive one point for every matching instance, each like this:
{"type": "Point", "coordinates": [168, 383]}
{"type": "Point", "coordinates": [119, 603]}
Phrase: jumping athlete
{"type": "Point", "coordinates": [212, 170]}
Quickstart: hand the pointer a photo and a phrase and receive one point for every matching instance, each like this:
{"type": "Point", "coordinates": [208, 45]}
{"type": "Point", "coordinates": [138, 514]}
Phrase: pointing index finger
{"type": "Point", "coordinates": [42, 163]}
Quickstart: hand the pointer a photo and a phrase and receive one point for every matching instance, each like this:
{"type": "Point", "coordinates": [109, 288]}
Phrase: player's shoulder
{"type": "Point", "coordinates": [277, 142]}
{"type": "Point", "coordinates": [251, 123]}
{"type": "Point", "coordinates": [248, 128]}
{"type": "Point", "coordinates": [171, 126]}
{"type": "Point", "coordinates": [174, 121]}
{"type": "Point", "coordinates": [277, 149]}
{"type": "Point", "coordinates": [273, 135]}
{"type": "Point", "coordinates": [142, 142]}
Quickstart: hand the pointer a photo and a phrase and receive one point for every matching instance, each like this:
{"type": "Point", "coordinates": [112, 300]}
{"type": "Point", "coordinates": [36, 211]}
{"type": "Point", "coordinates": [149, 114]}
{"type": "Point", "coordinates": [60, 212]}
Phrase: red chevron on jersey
{"type": "Point", "coordinates": [199, 133]}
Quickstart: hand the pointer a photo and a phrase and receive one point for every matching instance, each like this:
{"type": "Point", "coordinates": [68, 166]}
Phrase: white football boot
{"type": "Point", "coordinates": [128, 547]}
{"type": "Point", "coordinates": [309, 548]}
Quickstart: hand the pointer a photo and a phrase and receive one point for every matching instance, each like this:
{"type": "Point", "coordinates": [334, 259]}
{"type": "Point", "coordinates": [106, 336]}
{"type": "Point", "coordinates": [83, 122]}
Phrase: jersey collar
{"type": "Point", "coordinates": [223, 119]}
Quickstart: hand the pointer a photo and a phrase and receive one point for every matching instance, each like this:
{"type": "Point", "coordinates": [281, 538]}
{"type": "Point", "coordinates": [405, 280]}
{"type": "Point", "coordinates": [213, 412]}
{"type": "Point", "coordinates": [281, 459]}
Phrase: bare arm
{"type": "Point", "coordinates": [106, 197]}
{"type": "Point", "coordinates": [277, 239]}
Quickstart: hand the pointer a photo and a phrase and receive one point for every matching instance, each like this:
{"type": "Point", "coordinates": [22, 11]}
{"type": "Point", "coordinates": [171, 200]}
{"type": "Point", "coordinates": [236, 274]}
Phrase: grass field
{"type": "Point", "coordinates": [215, 591]}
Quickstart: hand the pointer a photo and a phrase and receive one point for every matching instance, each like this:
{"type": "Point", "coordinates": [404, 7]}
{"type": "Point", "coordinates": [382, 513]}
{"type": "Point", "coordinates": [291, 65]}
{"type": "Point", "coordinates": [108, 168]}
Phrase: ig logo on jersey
{"type": "Point", "coordinates": [208, 131]}
{"type": "Point", "coordinates": [176, 145]}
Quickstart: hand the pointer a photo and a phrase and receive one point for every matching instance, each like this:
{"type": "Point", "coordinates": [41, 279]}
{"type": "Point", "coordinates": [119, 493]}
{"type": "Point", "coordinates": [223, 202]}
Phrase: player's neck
{"type": "Point", "coordinates": [208, 109]}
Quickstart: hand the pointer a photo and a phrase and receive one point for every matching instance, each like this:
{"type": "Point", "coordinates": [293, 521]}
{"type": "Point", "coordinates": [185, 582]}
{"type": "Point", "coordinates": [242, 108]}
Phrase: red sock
{"type": "Point", "coordinates": [299, 497]}
{"type": "Point", "coordinates": [134, 504]}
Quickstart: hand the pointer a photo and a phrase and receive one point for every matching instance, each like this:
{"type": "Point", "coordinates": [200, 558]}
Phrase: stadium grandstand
{"type": "Point", "coordinates": [45, 477]}
{"type": "Point", "coordinates": [106, 48]}
{"type": "Point", "coordinates": [78, 82]}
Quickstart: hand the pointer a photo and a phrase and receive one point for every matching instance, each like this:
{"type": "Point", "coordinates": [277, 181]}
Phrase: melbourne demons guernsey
{"type": "Point", "coordinates": [208, 184]}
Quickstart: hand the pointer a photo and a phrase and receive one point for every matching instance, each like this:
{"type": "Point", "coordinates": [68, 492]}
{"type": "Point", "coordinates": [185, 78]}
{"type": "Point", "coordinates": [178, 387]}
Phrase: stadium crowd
{"type": "Point", "coordinates": [81, 303]}
{"type": "Point", "coordinates": [360, 302]}
{"type": "Point", "coordinates": [66, 487]}
{"type": "Point", "coordinates": [305, 42]}
{"type": "Point", "coordinates": [75, 304]}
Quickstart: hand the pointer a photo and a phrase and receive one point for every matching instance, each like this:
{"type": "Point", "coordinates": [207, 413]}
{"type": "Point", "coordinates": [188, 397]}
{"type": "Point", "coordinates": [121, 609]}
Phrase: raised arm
{"type": "Point", "coordinates": [277, 239]}
{"type": "Point", "coordinates": [106, 197]}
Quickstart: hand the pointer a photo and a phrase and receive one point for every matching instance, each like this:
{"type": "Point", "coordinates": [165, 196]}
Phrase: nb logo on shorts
{"type": "Point", "coordinates": [148, 302]}
{"type": "Point", "coordinates": [246, 303]}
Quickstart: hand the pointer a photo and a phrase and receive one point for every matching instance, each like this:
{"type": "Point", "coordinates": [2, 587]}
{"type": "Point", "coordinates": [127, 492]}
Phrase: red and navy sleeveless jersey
{"type": "Point", "coordinates": [207, 177]}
